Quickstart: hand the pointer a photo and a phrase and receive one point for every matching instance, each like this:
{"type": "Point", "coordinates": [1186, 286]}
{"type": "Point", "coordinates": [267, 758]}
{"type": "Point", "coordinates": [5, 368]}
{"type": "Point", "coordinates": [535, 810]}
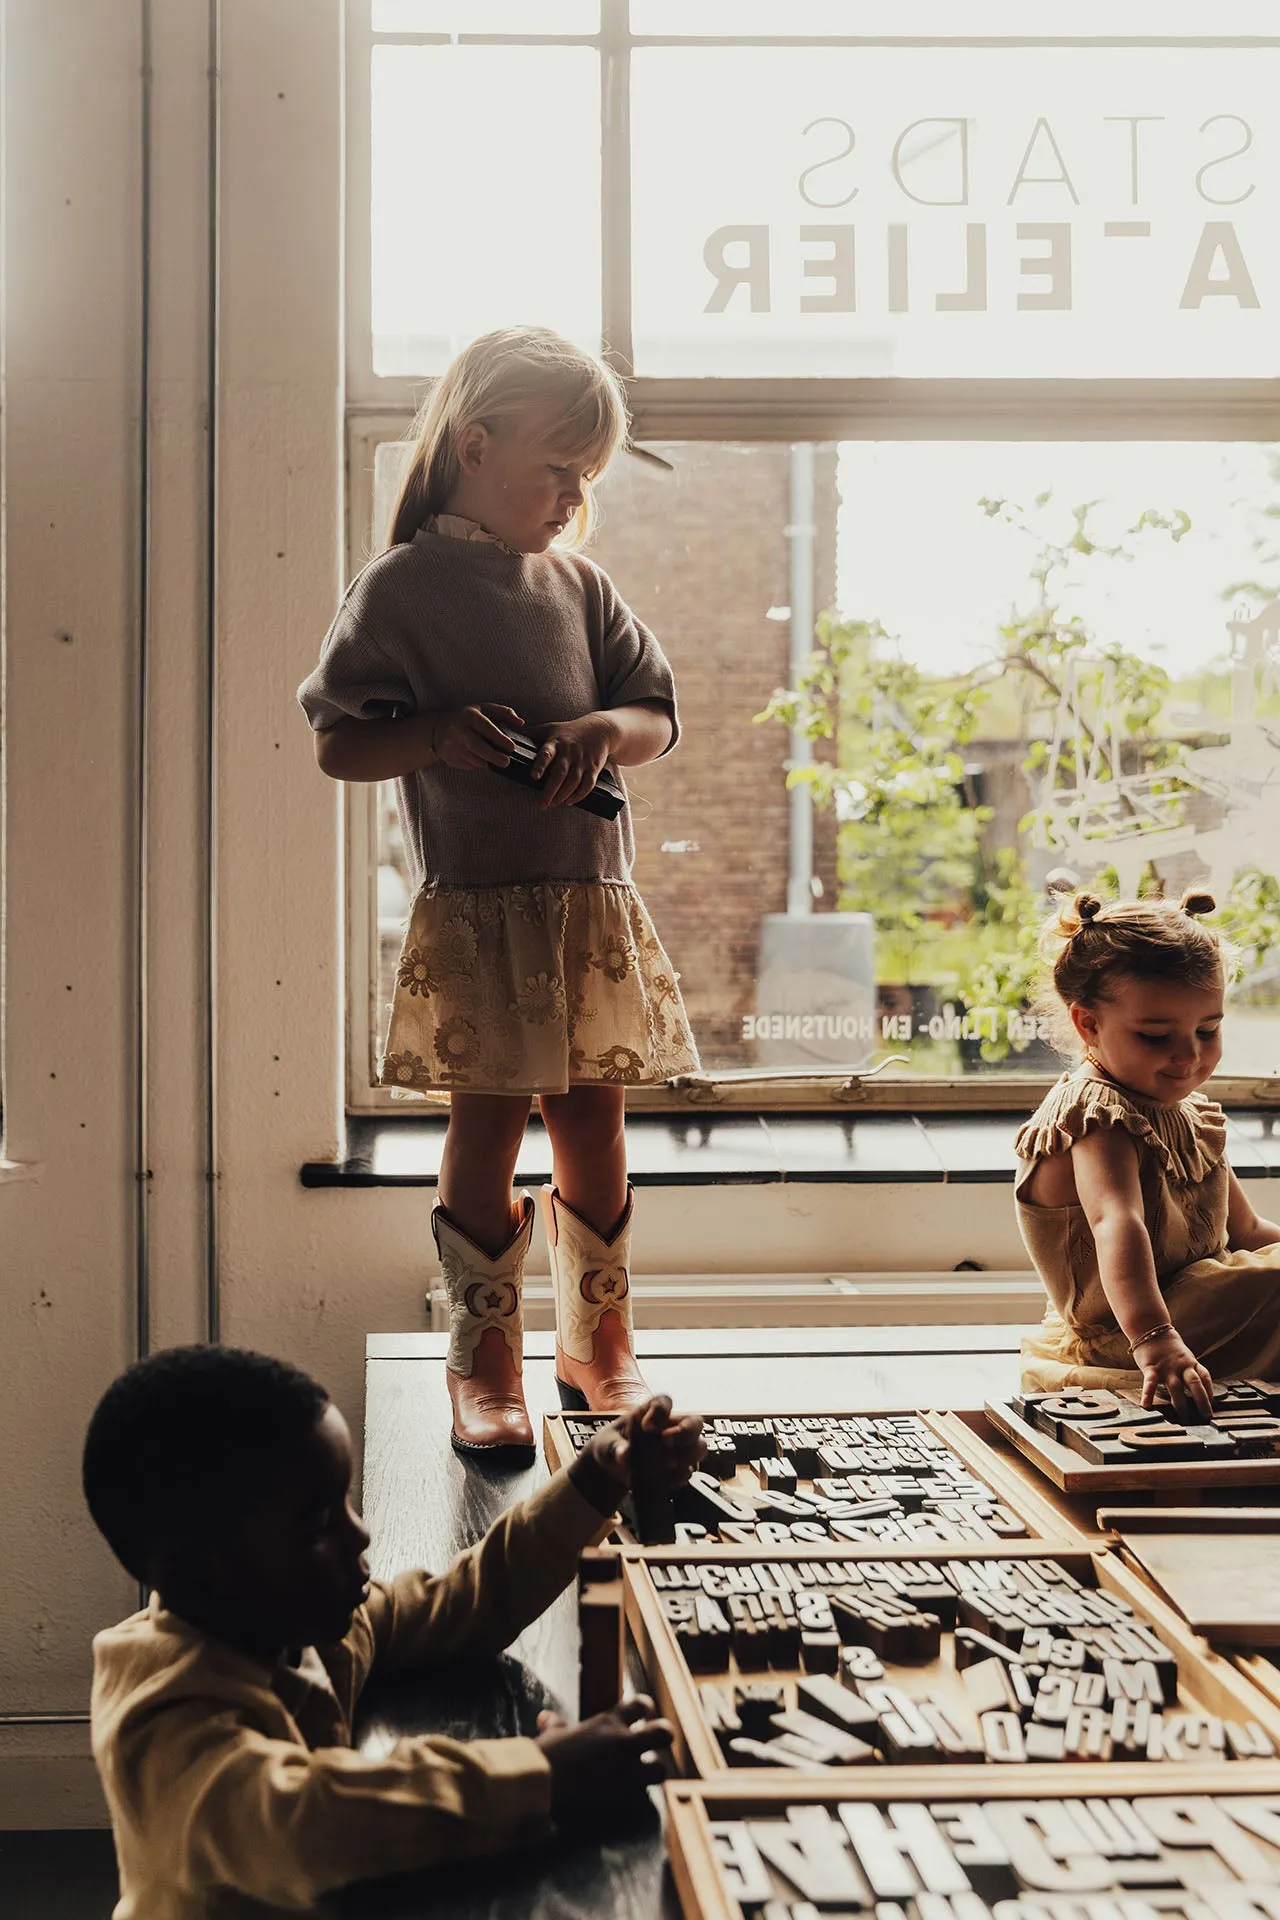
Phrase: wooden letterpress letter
{"type": "Point", "coordinates": [902, 1851]}
{"type": "Point", "coordinates": [1003, 1738]}
{"type": "Point", "coordinates": [811, 1850]}
{"type": "Point", "coordinates": [741, 1868]}
{"type": "Point", "coordinates": [757, 1701]}
{"type": "Point", "coordinates": [987, 1687]}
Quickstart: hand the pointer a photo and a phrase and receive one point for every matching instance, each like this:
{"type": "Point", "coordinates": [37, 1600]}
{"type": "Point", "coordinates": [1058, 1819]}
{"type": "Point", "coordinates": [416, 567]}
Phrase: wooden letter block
{"type": "Point", "coordinates": [831, 1746]}
{"type": "Point", "coordinates": [1076, 1406]}
{"type": "Point", "coordinates": [978, 1848]}
{"type": "Point", "coordinates": [892, 1851]}
{"type": "Point", "coordinates": [767, 1753]}
{"type": "Point", "coordinates": [1130, 1729]}
{"type": "Point", "coordinates": [719, 1714]}
{"type": "Point", "coordinates": [776, 1476]}
{"type": "Point", "coordinates": [782, 1630]}
{"type": "Point", "coordinates": [651, 1498]}
{"type": "Point", "coordinates": [757, 1702]}
{"type": "Point", "coordinates": [826, 1699]}
{"type": "Point", "coordinates": [954, 1744]}
{"type": "Point", "coordinates": [703, 1500]}
{"type": "Point", "coordinates": [1002, 1737]}
{"type": "Point", "coordinates": [1248, 1741]}
{"type": "Point", "coordinates": [1055, 1697]}
{"type": "Point", "coordinates": [1045, 1742]}
{"type": "Point", "coordinates": [1198, 1737]}
{"type": "Point", "coordinates": [859, 1664]}
{"type": "Point", "coordinates": [704, 1640]}
{"type": "Point", "coordinates": [1023, 1685]}
{"type": "Point", "coordinates": [721, 1458]}
{"type": "Point", "coordinates": [811, 1851]}
{"type": "Point", "coordinates": [972, 1646]}
{"type": "Point", "coordinates": [1066, 1654]}
{"type": "Point", "coordinates": [1136, 1681]}
{"type": "Point", "coordinates": [1199, 1822]}
{"type": "Point", "coordinates": [820, 1652]}
{"type": "Point", "coordinates": [1090, 1691]}
{"type": "Point", "coordinates": [987, 1686]}
{"type": "Point", "coordinates": [905, 1734]}
{"type": "Point", "coordinates": [1087, 1733]}
{"type": "Point", "coordinates": [742, 1870]}
{"type": "Point", "coordinates": [1172, 1442]}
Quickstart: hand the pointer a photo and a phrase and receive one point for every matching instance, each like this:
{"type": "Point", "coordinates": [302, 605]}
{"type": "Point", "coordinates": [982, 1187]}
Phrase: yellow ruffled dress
{"type": "Point", "coordinates": [1225, 1305]}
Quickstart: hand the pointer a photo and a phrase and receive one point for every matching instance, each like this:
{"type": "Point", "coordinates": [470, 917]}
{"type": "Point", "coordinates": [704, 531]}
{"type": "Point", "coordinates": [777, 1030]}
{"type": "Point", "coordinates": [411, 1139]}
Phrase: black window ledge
{"type": "Point", "coordinates": [745, 1149]}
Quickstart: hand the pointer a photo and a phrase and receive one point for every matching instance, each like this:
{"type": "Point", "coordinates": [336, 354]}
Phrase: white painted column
{"type": "Point", "coordinates": [72, 264]}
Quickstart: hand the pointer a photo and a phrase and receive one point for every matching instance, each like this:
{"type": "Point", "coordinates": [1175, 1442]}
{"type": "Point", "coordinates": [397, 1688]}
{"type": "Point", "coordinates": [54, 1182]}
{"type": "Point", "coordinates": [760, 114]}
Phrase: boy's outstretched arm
{"type": "Point", "coordinates": [529, 1556]}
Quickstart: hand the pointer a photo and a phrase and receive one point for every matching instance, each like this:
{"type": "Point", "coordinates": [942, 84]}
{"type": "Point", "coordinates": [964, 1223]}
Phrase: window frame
{"type": "Point", "coordinates": [379, 408]}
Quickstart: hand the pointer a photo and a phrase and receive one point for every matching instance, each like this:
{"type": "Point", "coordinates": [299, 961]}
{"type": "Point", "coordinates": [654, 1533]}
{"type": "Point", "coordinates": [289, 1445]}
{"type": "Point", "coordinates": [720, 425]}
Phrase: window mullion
{"type": "Point", "coordinates": [615, 185]}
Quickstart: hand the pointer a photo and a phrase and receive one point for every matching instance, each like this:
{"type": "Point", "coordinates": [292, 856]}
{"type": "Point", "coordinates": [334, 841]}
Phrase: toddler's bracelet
{"type": "Point", "coordinates": [1153, 1333]}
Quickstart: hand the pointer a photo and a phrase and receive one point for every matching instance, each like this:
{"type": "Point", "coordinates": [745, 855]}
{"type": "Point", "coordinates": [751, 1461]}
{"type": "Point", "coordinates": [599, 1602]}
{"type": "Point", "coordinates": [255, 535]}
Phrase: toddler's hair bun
{"type": "Point", "coordinates": [1073, 915]}
{"type": "Point", "coordinates": [1194, 903]}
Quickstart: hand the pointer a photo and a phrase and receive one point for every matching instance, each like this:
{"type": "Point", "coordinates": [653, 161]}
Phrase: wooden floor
{"type": "Point", "coordinates": [422, 1506]}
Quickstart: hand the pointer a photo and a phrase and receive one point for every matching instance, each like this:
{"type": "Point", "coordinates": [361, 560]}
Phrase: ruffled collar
{"type": "Point", "coordinates": [456, 526]}
{"type": "Point", "coordinates": [1189, 1138]}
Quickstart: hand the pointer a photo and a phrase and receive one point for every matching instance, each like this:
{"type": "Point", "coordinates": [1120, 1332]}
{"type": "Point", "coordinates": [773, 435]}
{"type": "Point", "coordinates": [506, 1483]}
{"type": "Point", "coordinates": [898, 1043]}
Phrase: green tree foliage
{"type": "Point", "coordinates": [911, 836]}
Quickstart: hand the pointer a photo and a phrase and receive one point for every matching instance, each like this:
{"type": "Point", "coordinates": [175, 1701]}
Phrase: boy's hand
{"type": "Point", "coordinates": [471, 737]}
{"type": "Point", "coordinates": [1168, 1362]}
{"type": "Point", "coordinates": [604, 1764]}
{"type": "Point", "coordinates": [604, 1464]}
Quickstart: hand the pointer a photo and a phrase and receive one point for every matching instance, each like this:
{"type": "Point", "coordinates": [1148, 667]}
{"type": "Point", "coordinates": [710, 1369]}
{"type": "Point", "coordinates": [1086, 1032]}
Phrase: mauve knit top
{"type": "Point", "coordinates": [443, 622]}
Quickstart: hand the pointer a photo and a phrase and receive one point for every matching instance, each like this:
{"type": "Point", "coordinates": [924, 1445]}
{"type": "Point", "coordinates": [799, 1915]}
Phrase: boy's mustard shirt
{"type": "Point", "coordinates": [233, 1787]}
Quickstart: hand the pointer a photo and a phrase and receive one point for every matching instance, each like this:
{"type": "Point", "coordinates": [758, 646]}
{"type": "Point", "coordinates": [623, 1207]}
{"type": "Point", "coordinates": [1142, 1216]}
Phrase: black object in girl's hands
{"type": "Point", "coordinates": [606, 798]}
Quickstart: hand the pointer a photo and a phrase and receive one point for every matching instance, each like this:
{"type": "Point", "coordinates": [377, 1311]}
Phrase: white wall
{"type": "Point", "coordinates": [303, 1274]}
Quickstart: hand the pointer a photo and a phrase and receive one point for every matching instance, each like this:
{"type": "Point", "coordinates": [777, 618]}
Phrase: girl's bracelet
{"type": "Point", "coordinates": [1153, 1333]}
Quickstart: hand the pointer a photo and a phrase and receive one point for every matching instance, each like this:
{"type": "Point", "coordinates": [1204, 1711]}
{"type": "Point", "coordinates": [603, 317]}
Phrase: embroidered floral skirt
{"type": "Point", "coordinates": [534, 989]}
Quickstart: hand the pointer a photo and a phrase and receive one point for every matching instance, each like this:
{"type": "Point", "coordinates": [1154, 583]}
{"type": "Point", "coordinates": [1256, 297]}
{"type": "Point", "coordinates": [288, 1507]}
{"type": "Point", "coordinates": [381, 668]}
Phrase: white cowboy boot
{"type": "Point", "coordinates": [486, 1343]}
{"type": "Point", "coordinates": [595, 1349]}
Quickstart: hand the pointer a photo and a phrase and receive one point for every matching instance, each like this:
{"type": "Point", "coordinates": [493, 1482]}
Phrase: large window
{"type": "Point", "coordinates": [959, 349]}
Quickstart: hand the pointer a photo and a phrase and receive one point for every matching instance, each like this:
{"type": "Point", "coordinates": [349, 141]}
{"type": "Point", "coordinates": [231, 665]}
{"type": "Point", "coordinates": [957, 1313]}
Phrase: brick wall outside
{"type": "Point", "coordinates": [701, 556]}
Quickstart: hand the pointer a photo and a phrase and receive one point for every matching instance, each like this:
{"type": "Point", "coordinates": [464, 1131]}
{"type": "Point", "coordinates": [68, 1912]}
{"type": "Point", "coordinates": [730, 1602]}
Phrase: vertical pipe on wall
{"type": "Point", "coordinates": [213, 1305]}
{"type": "Point", "coordinates": [801, 534]}
{"type": "Point", "coordinates": [142, 744]}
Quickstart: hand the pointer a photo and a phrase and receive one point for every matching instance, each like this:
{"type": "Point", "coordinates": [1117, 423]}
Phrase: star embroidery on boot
{"type": "Point", "coordinates": [604, 1283]}
{"type": "Point", "coordinates": [493, 1300]}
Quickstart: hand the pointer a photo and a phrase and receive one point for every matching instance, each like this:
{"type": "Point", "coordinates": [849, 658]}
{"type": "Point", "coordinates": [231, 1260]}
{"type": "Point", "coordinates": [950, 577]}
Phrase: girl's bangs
{"type": "Point", "coordinates": [593, 427]}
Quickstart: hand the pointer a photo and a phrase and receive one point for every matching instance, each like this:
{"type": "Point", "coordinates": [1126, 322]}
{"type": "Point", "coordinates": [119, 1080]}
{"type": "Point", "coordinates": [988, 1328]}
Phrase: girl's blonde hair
{"type": "Point", "coordinates": [493, 381]}
{"type": "Point", "coordinates": [1090, 944]}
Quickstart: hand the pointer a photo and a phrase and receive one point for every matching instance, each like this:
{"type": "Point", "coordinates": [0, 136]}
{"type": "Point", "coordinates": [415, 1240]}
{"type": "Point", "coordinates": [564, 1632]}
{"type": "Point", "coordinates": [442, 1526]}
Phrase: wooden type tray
{"type": "Point", "coordinates": [1234, 1600]}
{"type": "Point", "coordinates": [1207, 1683]}
{"type": "Point", "coordinates": [1218, 1566]}
{"type": "Point", "coordinates": [1075, 1475]}
{"type": "Point", "coordinates": [1045, 1515]}
{"type": "Point", "coordinates": [1222, 1838]}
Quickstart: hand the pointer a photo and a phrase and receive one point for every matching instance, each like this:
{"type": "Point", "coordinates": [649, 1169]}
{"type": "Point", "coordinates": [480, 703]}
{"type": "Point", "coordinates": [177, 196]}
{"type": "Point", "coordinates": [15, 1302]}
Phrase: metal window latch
{"type": "Point", "coordinates": [697, 1089]}
{"type": "Point", "coordinates": [853, 1090]}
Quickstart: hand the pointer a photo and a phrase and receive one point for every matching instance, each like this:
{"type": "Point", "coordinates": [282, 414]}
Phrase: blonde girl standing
{"type": "Point", "coordinates": [1153, 1258]}
{"type": "Point", "coordinates": [530, 966]}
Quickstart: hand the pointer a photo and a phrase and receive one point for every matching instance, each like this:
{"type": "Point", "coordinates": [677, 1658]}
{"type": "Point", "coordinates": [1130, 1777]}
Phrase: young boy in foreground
{"type": "Point", "coordinates": [222, 1713]}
